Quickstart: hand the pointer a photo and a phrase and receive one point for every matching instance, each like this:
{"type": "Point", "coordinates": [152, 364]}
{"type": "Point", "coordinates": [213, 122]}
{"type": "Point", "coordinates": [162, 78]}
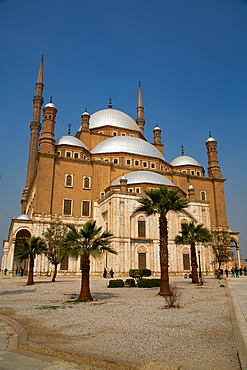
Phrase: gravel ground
{"type": "Point", "coordinates": [127, 325]}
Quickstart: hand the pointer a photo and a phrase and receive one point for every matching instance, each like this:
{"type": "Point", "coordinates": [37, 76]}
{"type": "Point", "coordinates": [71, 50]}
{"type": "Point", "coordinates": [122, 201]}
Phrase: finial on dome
{"type": "Point", "coordinates": [139, 83]}
{"type": "Point", "coordinates": [85, 109]}
{"type": "Point", "coordinates": [209, 133]}
{"type": "Point", "coordinates": [51, 99]}
{"type": "Point", "coordinates": [69, 130]}
{"type": "Point", "coordinates": [42, 58]}
{"type": "Point", "coordinates": [110, 104]}
{"type": "Point", "coordinates": [182, 149]}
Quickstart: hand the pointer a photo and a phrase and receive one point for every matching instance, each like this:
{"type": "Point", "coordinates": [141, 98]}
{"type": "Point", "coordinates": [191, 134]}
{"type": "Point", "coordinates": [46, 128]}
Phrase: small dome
{"type": "Point", "coordinates": [157, 128]}
{"type": "Point", "coordinates": [70, 140]}
{"type": "Point", "coordinates": [184, 160]}
{"type": "Point", "coordinates": [24, 217]}
{"type": "Point", "coordinates": [112, 117]}
{"type": "Point", "coordinates": [191, 187]}
{"type": "Point", "coordinates": [51, 105]}
{"type": "Point", "coordinates": [123, 178]}
{"type": "Point", "coordinates": [210, 139]}
{"type": "Point", "coordinates": [139, 177]}
{"type": "Point", "coordinates": [127, 144]}
{"type": "Point", "coordinates": [85, 114]}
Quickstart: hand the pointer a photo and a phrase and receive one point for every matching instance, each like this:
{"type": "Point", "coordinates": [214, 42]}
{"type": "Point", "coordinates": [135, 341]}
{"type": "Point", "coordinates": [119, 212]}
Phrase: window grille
{"type": "Point", "coordinates": [141, 229]}
{"type": "Point", "coordinates": [85, 208]}
{"type": "Point", "coordinates": [67, 206]}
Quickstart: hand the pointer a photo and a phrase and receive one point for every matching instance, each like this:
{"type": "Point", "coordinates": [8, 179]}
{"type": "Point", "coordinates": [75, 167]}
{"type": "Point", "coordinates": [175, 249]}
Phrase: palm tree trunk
{"type": "Point", "coordinates": [164, 287]}
{"type": "Point", "coordinates": [55, 272]}
{"type": "Point", "coordinates": [85, 294]}
{"type": "Point", "coordinates": [30, 274]}
{"type": "Point", "coordinates": [194, 264]}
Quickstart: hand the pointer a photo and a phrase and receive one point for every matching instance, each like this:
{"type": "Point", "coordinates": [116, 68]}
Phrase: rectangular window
{"type": "Point", "coordinates": [198, 173]}
{"type": "Point", "coordinates": [67, 206]}
{"type": "Point", "coordinates": [64, 263]}
{"type": "Point", "coordinates": [68, 154]}
{"type": "Point", "coordinates": [192, 173]}
{"type": "Point", "coordinates": [136, 163]}
{"type": "Point", "coordinates": [85, 208]}
{"type": "Point", "coordinates": [152, 165]}
{"type": "Point", "coordinates": [137, 190]}
{"type": "Point", "coordinates": [141, 260]}
{"type": "Point", "coordinates": [128, 161]}
{"type": "Point", "coordinates": [186, 261]}
{"type": "Point", "coordinates": [76, 155]}
{"type": "Point", "coordinates": [141, 229]}
{"type": "Point", "coordinates": [145, 164]}
{"type": "Point", "coordinates": [115, 160]}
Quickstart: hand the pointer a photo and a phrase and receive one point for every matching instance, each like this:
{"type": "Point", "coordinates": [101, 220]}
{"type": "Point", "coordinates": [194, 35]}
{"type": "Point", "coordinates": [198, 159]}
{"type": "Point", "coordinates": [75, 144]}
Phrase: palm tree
{"type": "Point", "coordinates": [162, 201]}
{"type": "Point", "coordinates": [86, 242]}
{"type": "Point", "coordinates": [28, 249]}
{"type": "Point", "coordinates": [192, 234]}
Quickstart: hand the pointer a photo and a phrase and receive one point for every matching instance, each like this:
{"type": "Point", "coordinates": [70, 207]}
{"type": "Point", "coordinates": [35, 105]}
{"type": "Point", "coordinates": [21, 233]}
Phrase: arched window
{"type": "Point", "coordinates": [203, 195]}
{"type": "Point", "coordinates": [86, 184]}
{"type": "Point", "coordinates": [68, 180]}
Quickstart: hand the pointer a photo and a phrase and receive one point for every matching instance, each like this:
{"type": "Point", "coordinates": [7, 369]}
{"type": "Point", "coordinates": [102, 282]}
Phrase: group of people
{"type": "Point", "coordinates": [21, 271]}
{"type": "Point", "coordinates": [105, 273]}
{"type": "Point", "coordinates": [235, 271]}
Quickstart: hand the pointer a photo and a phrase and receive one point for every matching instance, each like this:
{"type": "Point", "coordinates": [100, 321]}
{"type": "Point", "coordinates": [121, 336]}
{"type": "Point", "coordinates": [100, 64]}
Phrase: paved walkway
{"type": "Point", "coordinates": [238, 305]}
{"type": "Point", "coordinates": [12, 358]}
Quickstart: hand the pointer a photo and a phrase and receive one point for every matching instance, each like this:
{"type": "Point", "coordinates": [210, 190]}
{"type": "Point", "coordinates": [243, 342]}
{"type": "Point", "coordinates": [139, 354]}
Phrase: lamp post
{"type": "Point", "coordinates": [200, 271]}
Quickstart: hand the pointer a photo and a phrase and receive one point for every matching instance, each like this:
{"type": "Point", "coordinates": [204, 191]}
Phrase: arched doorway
{"type": "Point", "coordinates": [18, 240]}
{"type": "Point", "coordinates": [235, 252]}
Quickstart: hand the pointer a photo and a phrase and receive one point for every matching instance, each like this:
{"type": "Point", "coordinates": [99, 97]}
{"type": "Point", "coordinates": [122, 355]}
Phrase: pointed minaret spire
{"type": "Point", "coordinates": [35, 127]}
{"type": "Point", "coordinates": [140, 120]}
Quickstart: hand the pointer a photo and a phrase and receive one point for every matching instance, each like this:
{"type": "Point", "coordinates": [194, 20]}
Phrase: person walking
{"type": "Point", "coordinates": [245, 271]}
{"type": "Point", "coordinates": [105, 273]}
{"type": "Point", "coordinates": [232, 271]}
{"type": "Point", "coordinates": [226, 272]}
{"type": "Point", "coordinates": [240, 271]}
{"type": "Point", "coordinates": [111, 273]}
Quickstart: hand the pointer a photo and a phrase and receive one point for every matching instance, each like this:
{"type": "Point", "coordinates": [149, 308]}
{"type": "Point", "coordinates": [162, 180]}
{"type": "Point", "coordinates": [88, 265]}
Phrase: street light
{"type": "Point", "coordinates": [200, 271]}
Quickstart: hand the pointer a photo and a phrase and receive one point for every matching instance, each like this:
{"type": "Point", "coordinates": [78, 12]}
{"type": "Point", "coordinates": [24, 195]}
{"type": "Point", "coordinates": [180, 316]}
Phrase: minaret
{"type": "Point", "coordinates": [85, 117]}
{"type": "Point", "coordinates": [35, 127]}
{"type": "Point", "coordinates": [47, 141]}
{"type": "Point", "coordinates": [157, 138]}
{"type": "Point", "coordinates": [140, 120]}
{"type": "Point", "coordinates": [213, 164]}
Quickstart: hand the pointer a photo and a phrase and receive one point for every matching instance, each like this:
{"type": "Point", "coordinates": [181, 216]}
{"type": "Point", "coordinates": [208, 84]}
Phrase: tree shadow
{"type": "Point", "coordinates": [16, 291]}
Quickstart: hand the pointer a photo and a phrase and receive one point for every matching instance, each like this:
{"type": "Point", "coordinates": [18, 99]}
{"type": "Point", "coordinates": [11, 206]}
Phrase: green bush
{"type": "Point", "coordinates": [139, 274]}
{"type": "Point", "coordinates": [148, 283]}
{"type": "Point", "coordinates": [130, 282]}
{"type": "Point", "coordinates": [116, 283]}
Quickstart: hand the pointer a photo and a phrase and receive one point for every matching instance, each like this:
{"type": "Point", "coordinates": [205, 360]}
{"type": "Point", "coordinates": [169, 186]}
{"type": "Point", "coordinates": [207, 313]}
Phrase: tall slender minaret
{"type": "Point", "coordinates": [35, 127]}
{"type": "Point", "coordinates": [213, 164]}
{"type": "Point", "coordinates": [140, 120]}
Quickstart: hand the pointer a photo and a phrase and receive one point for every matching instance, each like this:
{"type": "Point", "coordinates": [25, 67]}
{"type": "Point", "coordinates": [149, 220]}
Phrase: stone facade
{"type": "Point", "coordinates": [99, 174]}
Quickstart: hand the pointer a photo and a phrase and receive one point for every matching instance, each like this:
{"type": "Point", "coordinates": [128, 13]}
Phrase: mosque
{"type": "Point", "coordinates": [99, 174]}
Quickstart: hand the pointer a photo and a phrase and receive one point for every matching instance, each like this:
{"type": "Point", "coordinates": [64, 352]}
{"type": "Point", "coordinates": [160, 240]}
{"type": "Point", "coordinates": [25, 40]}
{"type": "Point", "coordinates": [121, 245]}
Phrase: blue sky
{"type": "Point", "coordinates": [190, 57]}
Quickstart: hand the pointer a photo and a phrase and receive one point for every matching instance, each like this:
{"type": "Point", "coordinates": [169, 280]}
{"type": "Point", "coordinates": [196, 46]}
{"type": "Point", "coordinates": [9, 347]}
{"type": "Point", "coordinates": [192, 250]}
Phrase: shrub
{"type": "Point", "coordinates": [116, 283]}
{"type": "Point", "coordinates": [139, 274]}
{"type": "Point", "coordinates": [148, 283]}
{"type": "Point", "coordinates": [130, 282]}
{"type": "Point", "coordinates": [173, 300]}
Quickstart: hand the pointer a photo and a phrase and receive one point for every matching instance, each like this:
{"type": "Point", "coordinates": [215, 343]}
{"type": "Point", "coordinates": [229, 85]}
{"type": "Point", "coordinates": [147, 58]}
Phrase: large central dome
{"type": "Point", "coordinates": [127, 144]}
{"type": "Point", "coordinates": [112, 117]}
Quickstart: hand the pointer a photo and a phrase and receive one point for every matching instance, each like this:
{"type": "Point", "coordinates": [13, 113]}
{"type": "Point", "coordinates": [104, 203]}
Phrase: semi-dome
{"type": "Point", "coordinates": [112, 117]}
{"type": "Point", "coordinates": [127, 144]}
{"type": "Point", "coordinates": [184, 160]}
{"type": "Point", "coordinates": [70, 140]}
{"type": "Point", "coordinates": [140, 177]}
{"type": "Point", "coordinates": [24, 217]}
